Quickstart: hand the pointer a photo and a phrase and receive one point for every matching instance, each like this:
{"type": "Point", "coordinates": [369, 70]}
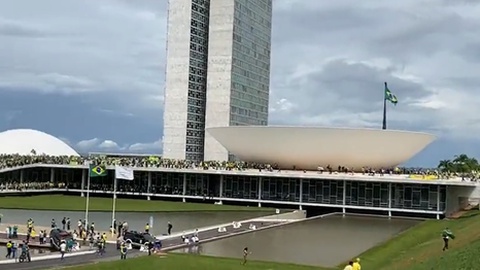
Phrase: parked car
{"type": "Point", "coordinates": [137, 238]}
{"type": "Point", "coordinates": [57, 236]}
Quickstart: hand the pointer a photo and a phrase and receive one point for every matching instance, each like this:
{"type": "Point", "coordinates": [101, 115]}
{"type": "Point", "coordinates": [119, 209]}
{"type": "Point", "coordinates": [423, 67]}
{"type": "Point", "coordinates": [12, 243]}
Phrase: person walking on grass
{"type": "Point", "coordinates": [245, 255]}
{"type": "Point", "coordinates": [446, 236]}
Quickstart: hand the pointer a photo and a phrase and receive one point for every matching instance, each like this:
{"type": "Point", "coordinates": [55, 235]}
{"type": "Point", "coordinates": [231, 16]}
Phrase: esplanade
{"type": "Point", "coordinates": [392, 192]}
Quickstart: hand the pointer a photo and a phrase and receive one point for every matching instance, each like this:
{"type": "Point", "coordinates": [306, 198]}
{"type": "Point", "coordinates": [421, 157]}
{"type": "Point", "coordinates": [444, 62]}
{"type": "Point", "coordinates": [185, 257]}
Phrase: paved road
{"type": "Point", "coordinates": [113, 254]}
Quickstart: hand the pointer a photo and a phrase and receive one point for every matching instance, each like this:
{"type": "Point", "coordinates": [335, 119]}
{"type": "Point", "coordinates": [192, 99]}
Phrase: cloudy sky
{"type": "Point", "coordinates": [92, 72]}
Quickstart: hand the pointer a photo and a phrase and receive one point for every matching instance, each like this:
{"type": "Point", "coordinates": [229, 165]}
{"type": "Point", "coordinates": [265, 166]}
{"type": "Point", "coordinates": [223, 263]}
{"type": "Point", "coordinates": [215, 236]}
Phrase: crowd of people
{"type": "Point", "coordinates": [9, 161]}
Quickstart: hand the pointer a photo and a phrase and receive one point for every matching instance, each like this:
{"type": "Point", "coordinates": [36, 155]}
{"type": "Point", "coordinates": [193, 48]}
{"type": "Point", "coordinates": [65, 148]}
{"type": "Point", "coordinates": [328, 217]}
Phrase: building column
{"type": "Point", "coordinates": [149, 185]}
{"type": "Point", "coordinates": [84, 178]}
{"type": "Point", "coordinates": [438, 201]}
{"type": "Point", "coordinates": [344, 200]}
{"type": "Point", "coordinates": [184, 192]}
{"type": "Point", "coordinates": [259, 191]}
{"type": "Point", "coordinates": [220, 191]}
{"type": "Point", "coordinates": [300, 200]}
{"type": "Point", "coordinates": [52, 175]}
{"type": "Point", "coordinates": [389, 200]}
{"type": "Point", "coordinates": [21, 176]}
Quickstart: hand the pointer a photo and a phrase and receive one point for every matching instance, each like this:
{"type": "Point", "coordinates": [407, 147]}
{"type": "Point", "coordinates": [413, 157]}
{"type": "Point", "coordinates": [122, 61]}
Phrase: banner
{"type": "Point", "coordinates": [423, 177]}
{"type": "Point", "coordinates": [123, 173]}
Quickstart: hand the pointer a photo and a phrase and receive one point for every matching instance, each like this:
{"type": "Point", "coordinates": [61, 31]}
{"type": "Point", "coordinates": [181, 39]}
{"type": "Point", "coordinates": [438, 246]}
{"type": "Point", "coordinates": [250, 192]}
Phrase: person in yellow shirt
{"type": "Point", "coordinates": [356, 265]}
{"type": "Point", "coordinates": [349, 266]}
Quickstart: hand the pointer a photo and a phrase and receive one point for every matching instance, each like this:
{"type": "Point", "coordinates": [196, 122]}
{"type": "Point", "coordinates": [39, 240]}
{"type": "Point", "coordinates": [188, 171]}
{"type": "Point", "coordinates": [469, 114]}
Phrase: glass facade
{"type": "Point", "coordinates": [251, 62]}
{"type": "Point", "coordinates": [330, 192]}
{"type": "Point", "coordinates": [197, 80]}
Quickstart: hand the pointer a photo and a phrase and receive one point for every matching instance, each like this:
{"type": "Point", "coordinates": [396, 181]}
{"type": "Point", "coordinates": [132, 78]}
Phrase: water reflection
{"type": "Point", "coordinates": [180, 220]}
{"type": "Point", "coordinates": [320, 242]}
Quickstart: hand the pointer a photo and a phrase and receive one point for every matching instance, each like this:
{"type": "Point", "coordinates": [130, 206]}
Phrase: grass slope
{"type": "Point", "coordinates": [77, 203]}
{"type": "Point", "coordinates": [190, 262]}
{"type": "Point", "coordinates": [420, 247]}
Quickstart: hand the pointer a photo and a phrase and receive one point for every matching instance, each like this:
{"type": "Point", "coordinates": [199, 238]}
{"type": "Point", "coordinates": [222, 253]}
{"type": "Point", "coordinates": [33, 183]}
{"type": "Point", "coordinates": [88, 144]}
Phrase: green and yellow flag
{"type": "Point", "coordinates": [389, 96]}
{"type": "Point", "coordinates": [97, 170]}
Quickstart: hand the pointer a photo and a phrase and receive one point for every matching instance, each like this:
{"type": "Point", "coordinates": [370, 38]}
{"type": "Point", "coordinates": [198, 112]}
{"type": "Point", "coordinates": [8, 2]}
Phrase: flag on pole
{"type": "Point", "coordinates": [123, 173]}
{"type": "Point", "coordinates": [389, 96]}
{"type": "Point", "coordinates": [97, 170]}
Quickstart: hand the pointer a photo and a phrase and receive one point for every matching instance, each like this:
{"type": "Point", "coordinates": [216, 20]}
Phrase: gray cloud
{"type": "Point", "coordinates": [329, 59]}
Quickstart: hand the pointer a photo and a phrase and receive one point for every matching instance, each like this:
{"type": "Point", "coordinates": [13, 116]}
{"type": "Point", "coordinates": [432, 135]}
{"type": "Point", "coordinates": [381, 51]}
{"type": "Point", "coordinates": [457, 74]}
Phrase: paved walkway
{"type": "Point", "coordinates": [213, 234]}
{"type": "Point", "coordinates": [169, 243]}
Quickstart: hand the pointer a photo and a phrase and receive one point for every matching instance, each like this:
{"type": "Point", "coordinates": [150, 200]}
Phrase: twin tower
{"type": "Point", "coordinates": [217, 72]}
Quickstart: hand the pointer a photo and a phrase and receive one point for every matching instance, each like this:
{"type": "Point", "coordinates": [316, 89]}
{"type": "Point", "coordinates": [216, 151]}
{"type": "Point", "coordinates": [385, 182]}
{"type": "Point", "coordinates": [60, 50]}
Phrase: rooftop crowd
{"type": "Point", "coordinates": [10, 161]}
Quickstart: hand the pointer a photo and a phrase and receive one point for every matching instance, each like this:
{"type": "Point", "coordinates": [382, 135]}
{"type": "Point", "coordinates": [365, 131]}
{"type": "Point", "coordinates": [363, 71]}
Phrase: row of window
{"type": "Point", "coordinates": [262, 93]}
{"type": "Point", "coordinates": [403, 196]}
{"type": "Point", "coordinates": [238, 120]}
{"type": "Point", "coordinates": [265, 65]}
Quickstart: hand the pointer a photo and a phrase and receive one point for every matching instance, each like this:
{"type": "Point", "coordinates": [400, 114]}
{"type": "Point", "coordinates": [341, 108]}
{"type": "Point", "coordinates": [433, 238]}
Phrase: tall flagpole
{"type": "Point", "coordinates": [384, 125]}
{"type": "Point", "coordinates": [87, 203]}
{"type": "Point", "coordinates": [114, 201]}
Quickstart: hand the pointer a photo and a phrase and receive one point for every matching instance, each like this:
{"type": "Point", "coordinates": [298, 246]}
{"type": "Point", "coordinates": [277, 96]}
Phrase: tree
{"type": "Point", "coordinates": [446, 166]}
{"type": "Point", "coordinates": [465, 166]}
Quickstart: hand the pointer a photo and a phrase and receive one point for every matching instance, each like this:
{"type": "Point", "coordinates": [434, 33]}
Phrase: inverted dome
{"type": "Point", "coordinates": [311, 147]}
{"type": "Point", "coordinates": [23, 141]}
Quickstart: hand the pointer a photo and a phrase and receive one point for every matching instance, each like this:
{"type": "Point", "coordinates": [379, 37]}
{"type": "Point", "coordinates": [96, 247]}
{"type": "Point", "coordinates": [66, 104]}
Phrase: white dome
{"type": "Point", "coordinates": [23, 141]}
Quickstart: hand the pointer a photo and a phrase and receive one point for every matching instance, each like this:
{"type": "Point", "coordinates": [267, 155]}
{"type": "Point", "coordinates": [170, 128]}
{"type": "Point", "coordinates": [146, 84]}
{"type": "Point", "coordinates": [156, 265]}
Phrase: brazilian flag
{"type": "Point", "coordinates": [97, 170]}
{"type": "Point", "coordinates": [389, 96]}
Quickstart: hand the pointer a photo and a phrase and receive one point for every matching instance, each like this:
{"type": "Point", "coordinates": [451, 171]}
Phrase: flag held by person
{"type": "Point", "coordinates": [97, 170]}
{"type": "Point", "coordinates": [123, 173]}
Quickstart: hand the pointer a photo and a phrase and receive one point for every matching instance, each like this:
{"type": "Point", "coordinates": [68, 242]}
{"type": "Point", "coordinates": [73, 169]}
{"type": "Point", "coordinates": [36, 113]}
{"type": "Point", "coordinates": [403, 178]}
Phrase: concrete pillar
{"type": "Point", "coordinates": [52, 175]}
{"type": "Point", "coordinates": [438, 201]}
{"type": "Point", "coordinates": [22, 172]}
{"type": "Point", "coordinates": [84, 179]}
{"type": "Point", "coordinates": [389, 200]}
{"type": "Point", "coordinates": [149, 185]}
{"type": "Point", "coordinates": [220, 191]}
{"type": "Point", "coordinates": [184, 187]}
{"type": "Point", "coordinates": [259, 191]}
{"type": "Point", "coordinates": [344, 199]}
{"type": "Point", "coordinates": [300, 200]}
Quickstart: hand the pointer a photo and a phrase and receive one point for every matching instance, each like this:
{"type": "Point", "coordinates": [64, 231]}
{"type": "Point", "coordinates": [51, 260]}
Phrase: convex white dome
{"type": "Point", "coordinates": [23, 141]}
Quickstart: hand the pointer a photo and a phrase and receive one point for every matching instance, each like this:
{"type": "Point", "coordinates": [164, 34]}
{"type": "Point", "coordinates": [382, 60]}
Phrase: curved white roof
{"type": "Point", "coordinates": [311, 147]}
{"type": "Point", "coordinates": [23, 141]}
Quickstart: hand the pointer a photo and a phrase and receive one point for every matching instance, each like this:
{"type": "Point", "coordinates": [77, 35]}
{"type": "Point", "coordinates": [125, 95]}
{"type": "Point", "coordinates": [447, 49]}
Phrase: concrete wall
{"type": "Point", "coordinates": [297, 214]}
{"type": "Point", "coordinates": [219, 74]}
{"type": "Point", "coordinates": [176, 84]}
{"type": "Point", "coordinates": [460, 197]}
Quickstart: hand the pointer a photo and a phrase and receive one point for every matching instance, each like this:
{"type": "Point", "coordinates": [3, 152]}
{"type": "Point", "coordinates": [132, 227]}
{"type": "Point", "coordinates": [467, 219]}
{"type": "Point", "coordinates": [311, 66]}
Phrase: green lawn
{"type": "Point", "coordinates": [420, 247]}
{"type": "Point", "coordinates": [77, 203]}
{"type": "Point", "coordinates": [190, 262]}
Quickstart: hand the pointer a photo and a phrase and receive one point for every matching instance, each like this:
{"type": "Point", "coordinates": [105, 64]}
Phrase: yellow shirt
{"type": "Point", "coordinates": [348, 267]}
{"type": "Point", "coordinates": [356, 266]}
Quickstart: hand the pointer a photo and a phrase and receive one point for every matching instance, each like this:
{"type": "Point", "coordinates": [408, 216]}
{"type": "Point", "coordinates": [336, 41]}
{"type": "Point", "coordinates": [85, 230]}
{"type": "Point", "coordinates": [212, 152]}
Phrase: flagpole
{"type": "Point", "coordinates": [87, 203]}
{"type": "Point", "coordinates": [384, 124]}
{"type": "Point", "coordinates": [114, 202]}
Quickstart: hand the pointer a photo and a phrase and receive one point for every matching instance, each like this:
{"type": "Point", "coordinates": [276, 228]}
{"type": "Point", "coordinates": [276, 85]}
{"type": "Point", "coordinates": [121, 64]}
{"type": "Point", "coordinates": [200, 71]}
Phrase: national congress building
{"type": "Point", "coordinates": [217, 74]}
{"type": "Point", "coordinates": [216, 104]}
